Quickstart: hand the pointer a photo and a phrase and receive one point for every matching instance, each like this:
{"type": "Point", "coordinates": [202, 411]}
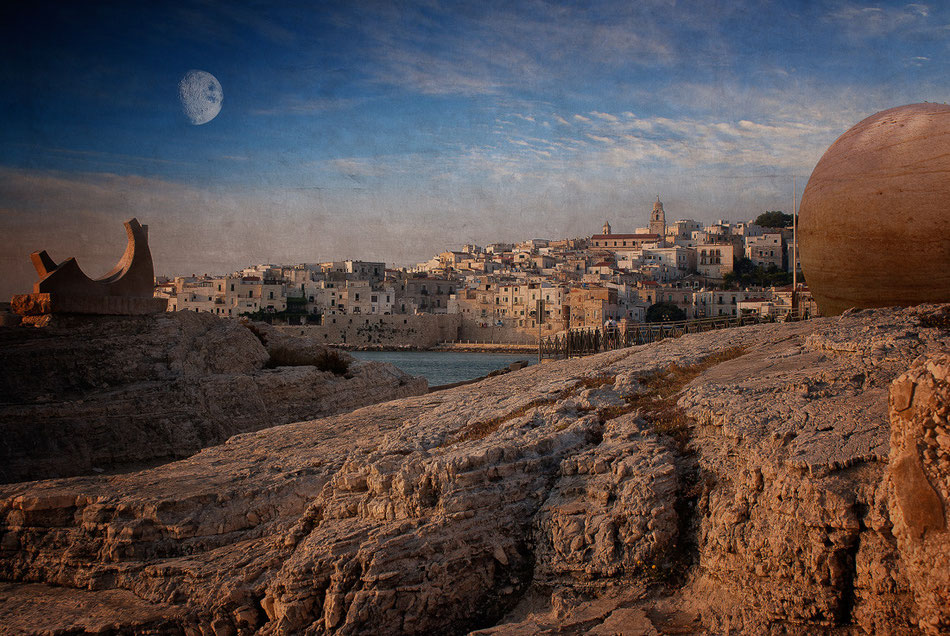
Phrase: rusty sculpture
{"type": "Point", "coordinates": [65, 288]}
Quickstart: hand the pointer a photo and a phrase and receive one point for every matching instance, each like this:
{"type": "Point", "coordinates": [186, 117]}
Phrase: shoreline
{"type": "Point", "coordinates": [461, 347]}
{"type": "Point", "coordinates": [486, 347]}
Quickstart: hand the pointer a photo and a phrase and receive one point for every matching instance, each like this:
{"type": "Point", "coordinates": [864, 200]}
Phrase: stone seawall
{"type": "Point", "coordinates": [410, 331]}
{"type": "Point", "coordinates": [473, 332]}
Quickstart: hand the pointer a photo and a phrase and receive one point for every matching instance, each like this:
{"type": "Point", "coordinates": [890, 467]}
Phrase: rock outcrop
{"type": "Point", "coordinates": [918, 486]}
{"type": "Point", "coordinates": [749, 480]}
{"type": "Point", "coordinates": [106, 393]}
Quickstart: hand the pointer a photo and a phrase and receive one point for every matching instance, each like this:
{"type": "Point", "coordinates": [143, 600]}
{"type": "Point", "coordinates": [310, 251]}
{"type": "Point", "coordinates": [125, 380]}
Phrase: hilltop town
{"type": "Point", "coordinates": [665, 271]}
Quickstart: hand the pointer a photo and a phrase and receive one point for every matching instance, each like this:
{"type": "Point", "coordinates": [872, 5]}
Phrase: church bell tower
{"type": "Point", "coordinates": [658, 220]}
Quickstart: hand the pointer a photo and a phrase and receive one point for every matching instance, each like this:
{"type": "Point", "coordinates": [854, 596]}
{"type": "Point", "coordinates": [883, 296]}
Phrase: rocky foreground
{"type": "Point", "coordinates": [769, 479]}
{"type": "Point", "coordinates": [87, 395]}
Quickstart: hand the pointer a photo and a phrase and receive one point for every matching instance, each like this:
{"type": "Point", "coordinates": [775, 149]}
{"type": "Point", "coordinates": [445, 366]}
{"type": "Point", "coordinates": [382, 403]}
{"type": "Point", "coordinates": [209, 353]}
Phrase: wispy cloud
{"type": "Point", "coordinates": [604, 116]}
{"type": "Point", "coordinates": [875, 21]}
{"type": "Point", "coordinates": [109, 157]}
{"type": "Point", "coordinates": [496, 49]}
{"type": "Point", "coordinates": [297, 105]}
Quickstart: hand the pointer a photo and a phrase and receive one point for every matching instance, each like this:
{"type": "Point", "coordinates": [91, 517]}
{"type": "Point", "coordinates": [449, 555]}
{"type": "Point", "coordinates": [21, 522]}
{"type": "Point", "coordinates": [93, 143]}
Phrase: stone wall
{"type": "Point", "coordinates": [471, 331]}
{"type": "Point", "coordinates": [412, 331]}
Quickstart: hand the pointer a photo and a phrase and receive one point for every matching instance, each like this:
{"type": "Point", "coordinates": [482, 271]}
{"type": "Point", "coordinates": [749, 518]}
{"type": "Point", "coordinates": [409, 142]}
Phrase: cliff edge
{"type": "Point", "coordinates": [768, 479]}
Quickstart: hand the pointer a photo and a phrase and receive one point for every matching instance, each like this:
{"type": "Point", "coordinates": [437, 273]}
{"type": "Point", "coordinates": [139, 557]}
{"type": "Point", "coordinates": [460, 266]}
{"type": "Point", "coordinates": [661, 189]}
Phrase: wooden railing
{"type": "Point", "coordinates": [590, 340]}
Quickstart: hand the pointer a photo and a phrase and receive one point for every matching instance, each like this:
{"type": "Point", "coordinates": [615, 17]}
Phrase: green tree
{"type": "Point", "coordinates": [773, 218]}
{"type": "Point", "coordinates": [664, 312]}
{"type": "Point", "coordinates": [747, 274]}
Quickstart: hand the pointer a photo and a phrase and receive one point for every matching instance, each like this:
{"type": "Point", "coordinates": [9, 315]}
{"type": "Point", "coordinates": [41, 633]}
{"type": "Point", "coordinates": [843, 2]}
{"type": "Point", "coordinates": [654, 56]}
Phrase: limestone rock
{"type": "Point", "coordinates": [612, 510]}
{"type": "Point", "coordinates": [538, 502]}
{"type": "Point", "coordinates": [918, 485]}
{"type": "Point", "coordinates": [98, 394]}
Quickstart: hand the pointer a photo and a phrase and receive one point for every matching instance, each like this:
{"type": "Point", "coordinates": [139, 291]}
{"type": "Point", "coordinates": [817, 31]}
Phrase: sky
{"type": "Point", "coordinates": [395, 130]}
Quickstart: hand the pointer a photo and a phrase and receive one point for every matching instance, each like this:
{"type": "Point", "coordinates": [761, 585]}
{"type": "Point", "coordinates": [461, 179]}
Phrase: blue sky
{"type": "Point", "coordinates": [392, 130]}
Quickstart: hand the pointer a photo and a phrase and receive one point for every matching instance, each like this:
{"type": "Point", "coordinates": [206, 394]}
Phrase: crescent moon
{"type": "Point", "coordinates": [201, 96]}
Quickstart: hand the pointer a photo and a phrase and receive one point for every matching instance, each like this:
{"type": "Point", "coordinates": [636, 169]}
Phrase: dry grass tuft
{"type": "Point", "coordinates": [594, 382]}
{"type": "Point", "coordinates": [938, 320]}
{"type": "Point", "coordinates": [657, 401]}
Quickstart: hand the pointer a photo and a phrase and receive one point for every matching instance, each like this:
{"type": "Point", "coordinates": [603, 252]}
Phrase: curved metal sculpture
{"type": "Point", "coordinates": [65, 288]}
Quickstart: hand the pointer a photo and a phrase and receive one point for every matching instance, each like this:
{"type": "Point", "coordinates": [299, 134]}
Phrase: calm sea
{"type": "Point", "coordinates": [445, 367]}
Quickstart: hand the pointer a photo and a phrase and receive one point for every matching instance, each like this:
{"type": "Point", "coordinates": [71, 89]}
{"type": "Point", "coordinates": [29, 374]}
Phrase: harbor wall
{"type": "Point", "coordinates": [420, 331]}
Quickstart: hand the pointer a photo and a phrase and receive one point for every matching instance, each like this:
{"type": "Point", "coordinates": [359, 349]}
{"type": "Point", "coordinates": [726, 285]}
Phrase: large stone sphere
{"type": "Point", "coordinates": [874, 228]}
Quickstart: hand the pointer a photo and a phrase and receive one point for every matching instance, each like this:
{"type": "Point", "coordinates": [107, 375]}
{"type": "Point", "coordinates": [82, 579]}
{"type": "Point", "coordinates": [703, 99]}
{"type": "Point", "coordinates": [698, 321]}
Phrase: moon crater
{"type": "Point", "coordinates": [201, 96]}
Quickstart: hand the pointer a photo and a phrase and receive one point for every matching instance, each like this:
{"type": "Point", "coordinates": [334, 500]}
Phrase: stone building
{"type": "Point", "coordinates": [715, 260]}
{"type": "Point", "coordinates": [624, 242]}
{"type": "Point", "coordinates": [766, 249]}
{"type": "Point", "coordinates": [416, 293]}
{"type": "Point", "coordinates": [592, 305]}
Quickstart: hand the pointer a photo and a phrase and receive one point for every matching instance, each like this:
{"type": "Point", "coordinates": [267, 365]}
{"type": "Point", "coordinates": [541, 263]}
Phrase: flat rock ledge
{"type": "Point", "coordinates": [772, 479]}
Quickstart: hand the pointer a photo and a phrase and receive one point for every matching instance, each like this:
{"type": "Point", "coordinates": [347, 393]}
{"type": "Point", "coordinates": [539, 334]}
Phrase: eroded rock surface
{"type": "Point", "coordinates": [918, 486]}
{"type": "Point", "coordinates": [96, 394]}
{"type": "Point", "coordinates": [570, 497]}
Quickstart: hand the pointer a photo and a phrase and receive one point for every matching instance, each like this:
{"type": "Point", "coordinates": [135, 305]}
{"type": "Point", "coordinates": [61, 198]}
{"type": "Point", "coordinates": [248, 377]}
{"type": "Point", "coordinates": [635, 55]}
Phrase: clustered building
{"type": "Point", "coordinates": [579, 282]}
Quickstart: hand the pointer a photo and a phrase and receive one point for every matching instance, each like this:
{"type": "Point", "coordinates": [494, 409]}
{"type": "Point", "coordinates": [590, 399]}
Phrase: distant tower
{"type": "Point", "coordinates": [658, 219]}
{"type": "Point", "coordinates": [606, 227]}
